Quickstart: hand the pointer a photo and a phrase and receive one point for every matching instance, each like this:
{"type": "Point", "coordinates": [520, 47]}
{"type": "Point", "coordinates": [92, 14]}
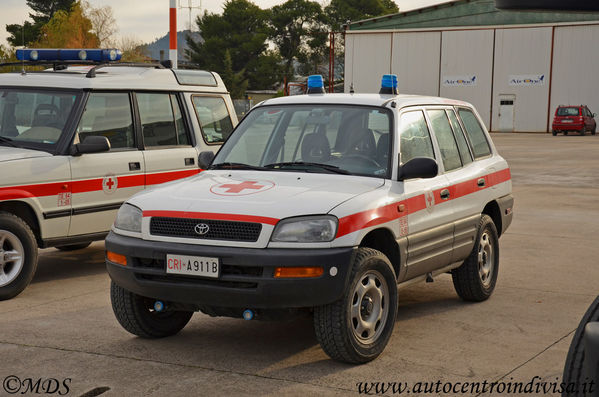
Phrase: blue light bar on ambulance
{"type": "Point", "coordinates": [389, 84]}
{"type": "Point", "coordinates": [57, 55]}
{"type": "Point", "coordinates": [315, 84]}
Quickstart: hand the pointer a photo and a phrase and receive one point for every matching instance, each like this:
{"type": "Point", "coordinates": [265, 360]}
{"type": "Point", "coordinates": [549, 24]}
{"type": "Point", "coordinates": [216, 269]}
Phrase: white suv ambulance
{"type": "Point", "coordinates": [77, 141]}
{"type": "Point", "coordinates": [324, 203]}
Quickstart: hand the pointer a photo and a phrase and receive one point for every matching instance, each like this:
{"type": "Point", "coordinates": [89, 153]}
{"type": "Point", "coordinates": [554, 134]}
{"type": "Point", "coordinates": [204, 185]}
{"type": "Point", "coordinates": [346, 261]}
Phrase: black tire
{"type": "Point", "coordinates": [16, 239]}
{"type": "Point", "coordinates": [594, 130]}
{"type": "Point", "coordinates": [475, 280]}
{"type": "Point", "coordinates": [554, 132]}
{"type": "Point", "coordinates": [136, 314]}
{"type": "Point", "coordinates": [565, 133]}
{"type": "Point", "coordinates": [73, 247]}
{"type": "Point", "coordinates": [583, 131]}
{"type": "Point", "coordinates": [335, 325]}
{"type": "Point", "coordinates": [574, 367]}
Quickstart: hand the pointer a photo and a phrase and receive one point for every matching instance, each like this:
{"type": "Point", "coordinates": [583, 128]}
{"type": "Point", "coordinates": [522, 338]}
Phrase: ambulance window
{"type": "Point", "coordinates": [480, 145]}
{"type": "Point", "coordinates": [415, 139]}
{"type": "Point", "coordinates": [213, 117]}
{"type": "Point", "coordinates": [161, 120]}
{"type": "Point", "coordinates": [445, 139]}
{"type": "Point", "coordinates": [460, 138]}
{"type": "Point", "coordinates": [109, 115]}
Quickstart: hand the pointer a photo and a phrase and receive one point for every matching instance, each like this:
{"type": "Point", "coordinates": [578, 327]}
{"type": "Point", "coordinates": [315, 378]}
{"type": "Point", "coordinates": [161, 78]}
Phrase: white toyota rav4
{"type": "Point", "coordinates": [77, 141]}
{"type": "Point", "coordinates": [320, 203]}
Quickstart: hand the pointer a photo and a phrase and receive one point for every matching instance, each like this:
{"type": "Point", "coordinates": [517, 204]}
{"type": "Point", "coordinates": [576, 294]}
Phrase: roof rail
{"type": "Point", "coordinates": [92, 71]}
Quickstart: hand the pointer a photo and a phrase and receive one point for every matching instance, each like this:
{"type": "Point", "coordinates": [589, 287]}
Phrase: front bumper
{"type": "Point", "coordinates": [246, 280]}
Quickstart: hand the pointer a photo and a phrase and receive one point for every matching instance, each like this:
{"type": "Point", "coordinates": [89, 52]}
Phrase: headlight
{"type": "Point", "coordinates": [128, 218]}
{"type": "Point", "coordinates": [306, 229]}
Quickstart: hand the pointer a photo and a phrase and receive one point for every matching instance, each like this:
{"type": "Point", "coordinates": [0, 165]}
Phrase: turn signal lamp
{"type": "Point", "coordinates": [116, 258]}
{"type": "Point", "coordinates": [389, 84]}
{"type": "Point", "coordinates": [57, 55]}
{"type": "Point", "coordinates": [315, 84]}
{"type": "Point", "coordinates": [298, 272]}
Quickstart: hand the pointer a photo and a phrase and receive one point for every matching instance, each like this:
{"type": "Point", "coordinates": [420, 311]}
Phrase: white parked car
{"type": "Point", "coordinates": [77, 141]}
{"type": "Point", "coordinates": [320, 203]}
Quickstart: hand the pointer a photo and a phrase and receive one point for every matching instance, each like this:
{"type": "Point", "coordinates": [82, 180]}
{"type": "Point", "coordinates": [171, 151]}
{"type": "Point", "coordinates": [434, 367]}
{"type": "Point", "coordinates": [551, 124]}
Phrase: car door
{"type": "Point", "coordinates": [169, 151]}
{"type": "Point", "coordinates": [430, 214]}
{"type": "Point", "coordinates": [103, 181]}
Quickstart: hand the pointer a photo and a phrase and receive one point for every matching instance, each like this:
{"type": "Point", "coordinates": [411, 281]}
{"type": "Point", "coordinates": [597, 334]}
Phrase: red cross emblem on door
{"type": "Point", "coordinates": [109, 184]}
{"type": "Point", "coordinates": [429, 199]}
{"type": "Point", "coordinates": [241, 188]}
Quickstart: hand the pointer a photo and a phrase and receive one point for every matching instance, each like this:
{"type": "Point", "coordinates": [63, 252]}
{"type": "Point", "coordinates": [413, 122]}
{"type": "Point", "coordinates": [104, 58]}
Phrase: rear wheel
{"type": "Point", "coordinates": [475, 279]}
{"type": "Point", "coordinates": [137, 315]}
{"type": "Point", "coordinates": [583, 130]}
{"type": "Point", "coordinates": [565, 132]}
{"type": "Point", "coordinates": [574, 367]}
{"type": "Point", "coordinates": [356, 328]}
{"type": "Point", "coordinates": [554, 132]}
{"type": "Point", "coordinates": [73, 247]}
{"type": "Point", "coordinates": [594, 130]}
{"type": "Point", "coordinates": [18, 255]}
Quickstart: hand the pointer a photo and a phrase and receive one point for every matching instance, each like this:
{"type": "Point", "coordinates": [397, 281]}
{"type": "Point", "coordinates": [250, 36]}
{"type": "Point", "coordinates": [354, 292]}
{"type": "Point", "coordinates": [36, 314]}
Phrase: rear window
{"type": "Point", "coordinates": [568, 111]}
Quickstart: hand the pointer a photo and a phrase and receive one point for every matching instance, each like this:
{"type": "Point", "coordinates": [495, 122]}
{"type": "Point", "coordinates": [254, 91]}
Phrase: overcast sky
{"type": "Point", "coordinates": [148, 19]}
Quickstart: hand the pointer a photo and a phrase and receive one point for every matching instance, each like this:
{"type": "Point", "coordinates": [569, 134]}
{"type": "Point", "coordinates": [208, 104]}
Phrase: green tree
{"type": "Point", "coordinates": [234, 81]}
{"type": "Point", "coordinates": [341, 11]}
{"type": "Point", "coordinates": [44, 10]}
{"type": "Point", "coordinates": [242, 32]}
{"type": "Point", "coordinates": [68, 30]}
{"type": "Point", "coordinates": [299, 30]}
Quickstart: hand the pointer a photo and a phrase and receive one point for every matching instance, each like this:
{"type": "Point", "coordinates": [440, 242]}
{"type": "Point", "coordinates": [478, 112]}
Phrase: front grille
{"type": "Point", "coordinates": [217, 230]}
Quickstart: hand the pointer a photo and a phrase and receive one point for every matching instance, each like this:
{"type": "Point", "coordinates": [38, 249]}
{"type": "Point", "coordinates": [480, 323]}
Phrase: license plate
{"type": "Point", "coordinates": [200, 266]}
{"type": "Point", "coordinates": [567, 121]}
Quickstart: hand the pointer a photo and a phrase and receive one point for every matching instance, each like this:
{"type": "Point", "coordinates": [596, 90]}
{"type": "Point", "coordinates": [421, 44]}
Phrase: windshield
{"type": "Point", "coordinates": [311, 138]}
{"type": "Point", "coordinates": [32, 118]}
{"type": "Point", "coordinates": [567, 112]}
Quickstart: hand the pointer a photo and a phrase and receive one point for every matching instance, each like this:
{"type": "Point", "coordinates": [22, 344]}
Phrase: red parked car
{"type": "Point", "coordinates": [574, 118]}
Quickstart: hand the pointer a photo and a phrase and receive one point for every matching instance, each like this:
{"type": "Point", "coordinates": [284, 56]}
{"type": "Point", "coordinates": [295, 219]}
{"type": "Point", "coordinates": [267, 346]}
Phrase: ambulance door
{"type": "Point", "coordinates": [430, 215]}
{"type": "Point", "coordinates": [103, 181]}
{"type": "Point", "coordinates": [169, 151]}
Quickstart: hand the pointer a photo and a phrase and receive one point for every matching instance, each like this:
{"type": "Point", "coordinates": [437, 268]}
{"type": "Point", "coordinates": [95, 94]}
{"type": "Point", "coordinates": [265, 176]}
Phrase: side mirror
{"type": "Point", "coordinates": [91, 144]}
{"type": "Point", "coordinates": [205, 159]}
{"type": "Point", "coordinates": [418, 167]}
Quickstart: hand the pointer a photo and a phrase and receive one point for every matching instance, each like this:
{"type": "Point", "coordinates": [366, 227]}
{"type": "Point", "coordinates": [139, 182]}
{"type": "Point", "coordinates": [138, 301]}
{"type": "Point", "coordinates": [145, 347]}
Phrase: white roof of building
{"type": "Point", "coordinates": [122, 77]}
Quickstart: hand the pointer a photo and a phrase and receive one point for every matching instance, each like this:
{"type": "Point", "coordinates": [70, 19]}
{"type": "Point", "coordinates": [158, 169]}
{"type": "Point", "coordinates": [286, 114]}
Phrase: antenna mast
{"type": "Point", "coordinates": [191, 7]}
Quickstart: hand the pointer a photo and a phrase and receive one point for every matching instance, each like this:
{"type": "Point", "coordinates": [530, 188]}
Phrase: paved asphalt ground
{"type": "Point", "coordinates": [62, 326]}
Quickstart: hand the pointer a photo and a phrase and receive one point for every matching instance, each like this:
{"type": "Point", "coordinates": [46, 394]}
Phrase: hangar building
{"type": "Point", "coordinates": [516, 67]}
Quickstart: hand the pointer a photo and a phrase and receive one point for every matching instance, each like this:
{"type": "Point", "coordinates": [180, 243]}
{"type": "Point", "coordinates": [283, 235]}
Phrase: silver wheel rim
{"type": "Point", "coordinates": [486, 259]}
{"type": "Point", "coordinates": [12, 256]}
{"type": "Point", "coordinates": [369, 307]}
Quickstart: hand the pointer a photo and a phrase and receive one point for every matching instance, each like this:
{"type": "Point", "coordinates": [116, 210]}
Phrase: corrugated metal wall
{"type": "Point", "coordinates": [482, 66]}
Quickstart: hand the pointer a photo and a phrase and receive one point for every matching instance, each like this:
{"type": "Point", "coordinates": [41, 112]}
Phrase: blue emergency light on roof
{"type": "Point", "coordinates": [389, 84]}
{"type": "Point", "coordinates": [57, 55]}
{"type": "Point", "coordinates": [315, 84]}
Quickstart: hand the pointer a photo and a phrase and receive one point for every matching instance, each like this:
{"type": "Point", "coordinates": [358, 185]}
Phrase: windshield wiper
{"type": "Point", "coordinates": [8, 141]}
{"type": "Point", "coordinates": [237, 166]}
{"type": "Point", "coordinates": [331, 168]}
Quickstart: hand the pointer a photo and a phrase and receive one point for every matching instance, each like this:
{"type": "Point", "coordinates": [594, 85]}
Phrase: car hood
{"type": "Point", "coordinates": [8, 153]}
{"type": "Point", "coordinates": [272, 194]}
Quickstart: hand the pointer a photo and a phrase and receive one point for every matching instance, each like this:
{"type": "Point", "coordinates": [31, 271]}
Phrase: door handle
{"type": "Point", "coordinates": [190, 161]}
{"type": "Point", "coordinates": [134, 166]}
{"type": "Point", "coordinates": [481, 182]}
{"type": "Point", "coordinates": [445, 194]}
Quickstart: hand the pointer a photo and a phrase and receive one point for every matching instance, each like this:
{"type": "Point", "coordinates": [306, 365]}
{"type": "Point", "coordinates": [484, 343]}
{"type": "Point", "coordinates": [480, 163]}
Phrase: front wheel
{"type": "Point", "coordinates": [18, 255]}
{"type": "Point", "coordinates": [356, 328]}
{"type": "Point", "coordinates": [137, 315]}
{"type": "Point", "coordinates": [475, 279]}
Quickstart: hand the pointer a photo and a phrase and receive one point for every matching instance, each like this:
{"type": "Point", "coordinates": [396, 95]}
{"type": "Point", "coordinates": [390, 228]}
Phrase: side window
{"type": "Point", "coordinates": [161, 120]}
{"type": "Point", "coordinates": [214, 118]}
{"type": "Point", "coordinates": [460, 138]}
{"type": "Point", "coordinates": [478, 140]}
{"type": "Point", "coordinates": [415, 139]}
{"type": "Point", "coordinates": [444, 135]}
{"type": "Point", "coordinates": [109, 115]}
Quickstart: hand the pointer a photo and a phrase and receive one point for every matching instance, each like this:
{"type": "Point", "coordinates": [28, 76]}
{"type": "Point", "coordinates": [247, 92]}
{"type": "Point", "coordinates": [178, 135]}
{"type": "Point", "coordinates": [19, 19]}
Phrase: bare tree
{"type": "Point", "coordinates": [103, 23]}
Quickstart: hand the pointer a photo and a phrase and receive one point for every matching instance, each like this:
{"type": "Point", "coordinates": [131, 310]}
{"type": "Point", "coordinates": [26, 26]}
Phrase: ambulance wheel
{"type": "Point", "coordinates": [73, 247]}
{"type": "Point", "coordinates": [574, 373]}
{"type": "Point", "coordinates": [18, 255]}
{"type": "Point", "coordinates": [475, 280]}
{"type": "Point", "coordinates": [356, 328]}
{"type": "Point", "coordinates": [137, 315]}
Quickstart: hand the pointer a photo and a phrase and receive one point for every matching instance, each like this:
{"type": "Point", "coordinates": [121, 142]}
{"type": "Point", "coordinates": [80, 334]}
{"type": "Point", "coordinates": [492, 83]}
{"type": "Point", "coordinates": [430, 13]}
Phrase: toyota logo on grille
{"type": "Point", "coordinates": [201, 229]}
